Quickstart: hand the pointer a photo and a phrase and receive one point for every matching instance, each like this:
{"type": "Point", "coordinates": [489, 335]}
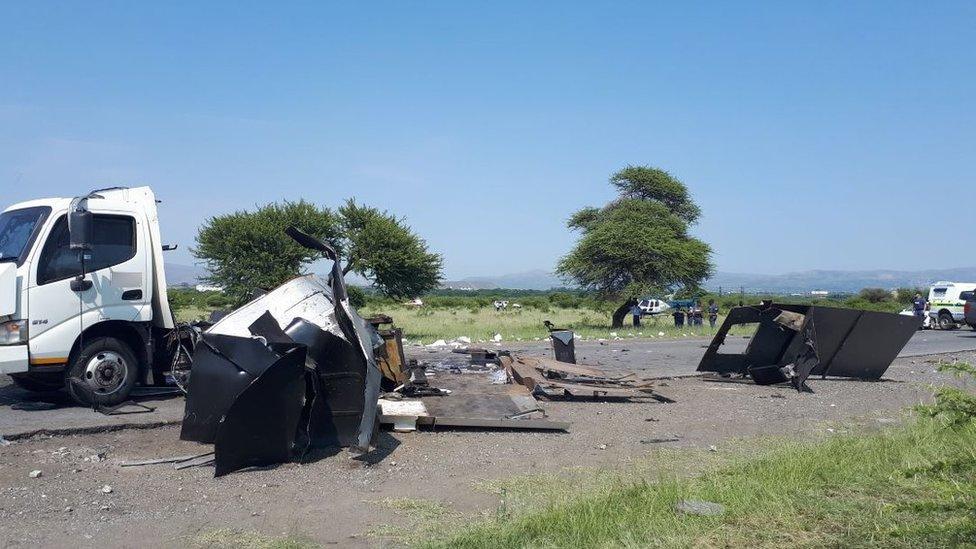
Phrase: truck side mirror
{"type": "Point", "coordinates": [80, 230]}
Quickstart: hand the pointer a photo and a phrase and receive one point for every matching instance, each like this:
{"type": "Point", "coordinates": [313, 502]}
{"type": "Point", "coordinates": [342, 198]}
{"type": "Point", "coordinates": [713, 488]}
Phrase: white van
{"type": "Point", "coordinates": [947, 301]}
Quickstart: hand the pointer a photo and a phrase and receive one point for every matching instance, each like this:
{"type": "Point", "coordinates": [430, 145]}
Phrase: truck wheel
{"type": "Point", "coordinates": [946, 322]}
{"type": "Point", "coordinates": [104, 373]}
{"type": "Point", "coordinates": [41, 383]}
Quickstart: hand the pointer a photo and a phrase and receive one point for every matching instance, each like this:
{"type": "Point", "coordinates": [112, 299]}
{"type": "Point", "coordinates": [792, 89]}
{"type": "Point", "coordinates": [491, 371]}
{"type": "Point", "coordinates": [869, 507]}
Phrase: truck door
{"type": "Point", "coordinates": [116, 265]}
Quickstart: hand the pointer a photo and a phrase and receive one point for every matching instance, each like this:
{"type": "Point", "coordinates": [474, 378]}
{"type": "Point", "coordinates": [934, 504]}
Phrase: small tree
{"type": "Point", "coordinates": [248, 250]}
{"type": "Point", "coordinates": [639, 243]}
{"type": "Point", "coordinates": [383, 249]}
{"type": "Point", "coordinates": [244, 251]}
{"type": "Point", "coordinates": [875, 295]}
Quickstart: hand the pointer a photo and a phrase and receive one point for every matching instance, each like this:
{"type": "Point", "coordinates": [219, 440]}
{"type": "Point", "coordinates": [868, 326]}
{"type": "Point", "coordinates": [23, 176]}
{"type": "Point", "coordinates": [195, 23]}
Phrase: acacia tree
{"type": "Point", "coordinates": [383, 249]}
{"type": "Point", "coordinates": [245, 250]}
{"type": "Point", "coordinates": [639, 243]}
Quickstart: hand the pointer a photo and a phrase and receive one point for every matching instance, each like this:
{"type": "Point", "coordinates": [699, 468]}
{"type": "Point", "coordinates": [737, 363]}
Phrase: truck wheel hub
{"type": "Point", "coordinates": [105, 372]}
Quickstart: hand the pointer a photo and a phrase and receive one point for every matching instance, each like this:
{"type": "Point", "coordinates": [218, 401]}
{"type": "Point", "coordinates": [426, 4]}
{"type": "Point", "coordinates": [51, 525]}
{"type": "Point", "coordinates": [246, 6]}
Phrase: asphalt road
{"type": "Point", "coordinates": [23, 413]}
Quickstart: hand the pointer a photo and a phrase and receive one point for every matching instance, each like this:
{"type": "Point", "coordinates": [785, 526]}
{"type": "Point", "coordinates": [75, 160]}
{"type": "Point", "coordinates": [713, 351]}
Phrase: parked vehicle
{"type": "Point", "coordinates": [926, 320]}
{"type": "Point", "coordinates": [947, 300]}
{"type": "Point", "coordinates": [969, 312]}
{"type": "Point", "coordinates": [650, 306]}
{"type": "Point", "coordinates": [83, 301]}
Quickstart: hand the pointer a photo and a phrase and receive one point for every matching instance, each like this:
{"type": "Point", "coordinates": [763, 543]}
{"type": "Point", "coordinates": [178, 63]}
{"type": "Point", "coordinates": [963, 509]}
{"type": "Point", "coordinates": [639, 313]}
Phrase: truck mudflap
{"type": "Point", "coordinates": [793, 342]}
{"type": "Point", "coordinates": [14, 359]}
{"type": "Point", "coordinates": [244, 373]}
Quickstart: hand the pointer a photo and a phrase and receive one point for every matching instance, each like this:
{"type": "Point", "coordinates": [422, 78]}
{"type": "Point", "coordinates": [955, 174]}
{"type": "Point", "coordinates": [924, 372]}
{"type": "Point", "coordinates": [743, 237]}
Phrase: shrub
{"type": "Point", "coordinates": [953, 406]}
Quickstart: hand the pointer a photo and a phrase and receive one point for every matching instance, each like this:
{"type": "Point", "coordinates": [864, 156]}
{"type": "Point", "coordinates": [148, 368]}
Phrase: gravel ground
{"type": "Point", "coordinates": [334, 499]}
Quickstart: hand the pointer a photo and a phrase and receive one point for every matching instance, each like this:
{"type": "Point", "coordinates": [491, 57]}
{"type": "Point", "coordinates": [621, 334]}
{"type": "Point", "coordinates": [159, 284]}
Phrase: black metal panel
{"type": "Point", "coordinates": [222, 367]}
{"type": "Point", "coordinates": [259, 428]}
{"type": "Point", "coordinates": [872, 345]}
{"type": "Point", "coordinates": [339, 385]}
{"type": "Point", "coordinates": [564, 345]}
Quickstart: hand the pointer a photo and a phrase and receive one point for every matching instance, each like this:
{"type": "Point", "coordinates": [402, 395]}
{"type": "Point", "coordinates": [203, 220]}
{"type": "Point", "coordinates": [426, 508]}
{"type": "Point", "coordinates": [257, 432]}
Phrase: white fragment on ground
{"type": "Point", "coordinates": [35, 473]}
{"type": "Point", "coordinates": [438, 343]}
{"type": "Point", "coordinates": [660, 334]}
{"type": "Point", "coordinates": [463, 339]}
{"type": "Point", "coordinates": [697, 507]}
{"type": "Point", "coordinates": [106, 489]}
{"type": "Point", "coordinates": [713, 448]}
{"type": "Point", "coordinates": [497, 338]}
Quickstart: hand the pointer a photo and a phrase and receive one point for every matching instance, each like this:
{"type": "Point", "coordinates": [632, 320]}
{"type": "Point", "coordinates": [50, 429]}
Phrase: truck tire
{"type": "Point", "coordinates": [40, 383]}
{"type": "Point", "coordinates": [946, 322]}
{"type": "Point", "coordinates": [103, 373]}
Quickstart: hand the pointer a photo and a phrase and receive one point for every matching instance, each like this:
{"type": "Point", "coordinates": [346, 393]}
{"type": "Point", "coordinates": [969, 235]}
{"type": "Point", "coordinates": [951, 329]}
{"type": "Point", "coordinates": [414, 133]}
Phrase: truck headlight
{"type": "Point", "coordinates": [13, 332]}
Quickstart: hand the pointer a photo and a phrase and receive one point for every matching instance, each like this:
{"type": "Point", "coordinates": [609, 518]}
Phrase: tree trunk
{"type": "Point", "coordinates": [620, 314]}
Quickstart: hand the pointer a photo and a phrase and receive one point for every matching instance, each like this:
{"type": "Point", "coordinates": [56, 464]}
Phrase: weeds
{"type": "Point", "coordinates": [953, 406]}
{"type": "Point", "coordinates": [908, 486]}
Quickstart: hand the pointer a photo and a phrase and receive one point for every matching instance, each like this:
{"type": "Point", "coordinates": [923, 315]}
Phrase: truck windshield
{"type": "Point", "coordinates": [17, 230]}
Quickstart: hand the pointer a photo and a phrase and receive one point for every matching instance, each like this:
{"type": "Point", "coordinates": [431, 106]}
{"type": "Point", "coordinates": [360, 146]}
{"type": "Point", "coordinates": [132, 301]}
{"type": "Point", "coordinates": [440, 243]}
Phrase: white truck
{"type": "Point", "coordinates": [83, 301]}
{"type": "Point", "coordinates": [947, 302]}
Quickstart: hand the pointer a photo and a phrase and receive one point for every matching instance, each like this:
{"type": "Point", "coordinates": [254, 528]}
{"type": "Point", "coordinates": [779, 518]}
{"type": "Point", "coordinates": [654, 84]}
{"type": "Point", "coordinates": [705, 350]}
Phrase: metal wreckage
{"type": "Point", "coordinates": [290, 371]}
{"type": "Point", "coordinates": [297, 369]}
{"type": "Point", "coordinates": [793, 342]}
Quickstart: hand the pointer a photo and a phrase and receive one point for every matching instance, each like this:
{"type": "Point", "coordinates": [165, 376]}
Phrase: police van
{"type": "Point", "coordinates": [947, 302]}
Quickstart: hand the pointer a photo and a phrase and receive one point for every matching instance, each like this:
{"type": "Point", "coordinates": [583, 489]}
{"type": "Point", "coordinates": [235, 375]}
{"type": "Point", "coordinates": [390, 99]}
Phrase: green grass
{"type": "Point", "coordinates": [907, 486]}
{"type": "Point", "coordinates": [430, 324]}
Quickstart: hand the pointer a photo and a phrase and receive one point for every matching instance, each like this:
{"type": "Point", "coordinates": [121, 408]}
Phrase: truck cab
{"type": "Point", "coordinates": [83, 302]}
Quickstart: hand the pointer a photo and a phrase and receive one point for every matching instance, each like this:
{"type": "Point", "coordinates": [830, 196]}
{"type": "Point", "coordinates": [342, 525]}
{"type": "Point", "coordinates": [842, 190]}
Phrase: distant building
{"type": "Point", "coordinates": [207, 288]}
{"type": "Point", "coordinates": [819, 293]}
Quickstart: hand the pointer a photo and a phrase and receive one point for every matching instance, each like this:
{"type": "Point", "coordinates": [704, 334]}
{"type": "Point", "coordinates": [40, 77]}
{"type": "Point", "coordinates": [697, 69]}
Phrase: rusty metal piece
{"type": "Point", "coordinates": [554, 379]}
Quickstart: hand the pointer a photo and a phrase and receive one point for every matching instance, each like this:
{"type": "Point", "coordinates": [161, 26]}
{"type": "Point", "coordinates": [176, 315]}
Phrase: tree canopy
{"type": "Point", "coordinates": [246, 250]}
{"type": "Point", "coordinates": [638, 244]}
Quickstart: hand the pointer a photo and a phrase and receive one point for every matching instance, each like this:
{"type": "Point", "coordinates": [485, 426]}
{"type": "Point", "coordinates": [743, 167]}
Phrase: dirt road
{"type": "Point", "coordinates": [337, 500]}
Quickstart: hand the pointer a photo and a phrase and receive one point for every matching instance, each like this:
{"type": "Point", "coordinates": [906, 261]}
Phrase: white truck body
{"type": "Point", "coordinates": [125, 266]}
{"type": "Point", "coordinates": [947, 300]}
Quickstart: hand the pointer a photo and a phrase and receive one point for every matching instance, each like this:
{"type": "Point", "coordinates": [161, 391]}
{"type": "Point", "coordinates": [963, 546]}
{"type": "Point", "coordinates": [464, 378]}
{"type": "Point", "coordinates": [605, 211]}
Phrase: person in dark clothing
{"type": "Point", "coordinates": [919, 306]}
{"type": "Point", "coordinates": [679, 317]}
{"type": "Point", "coordinates": [636, 312]}
{"type": "Point", "coordinates": [712, 313]}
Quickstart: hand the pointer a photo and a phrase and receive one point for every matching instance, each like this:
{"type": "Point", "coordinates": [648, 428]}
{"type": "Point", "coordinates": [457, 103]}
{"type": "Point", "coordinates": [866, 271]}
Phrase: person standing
{"type": "Point", "coordinates": [636, 312]}
{"type": "Point", "coordinates": [679, 317]}
{"type": "Point", "coordinates": [919, 305]}
{"type": "Point", "coordinates": [712, 313]}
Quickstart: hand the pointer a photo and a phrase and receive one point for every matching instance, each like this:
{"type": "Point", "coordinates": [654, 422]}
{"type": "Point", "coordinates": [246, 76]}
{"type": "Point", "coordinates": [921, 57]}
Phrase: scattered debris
{"type": "Point", "coordinates": [106, 489]}
{"type": "Point", "coordinates": [175, 459]}
{"type": "Point", "coordinates": [33, 406]}
{"type": "Point", "coordinates": [36, 473]}
{"type": "Point", "coordinates": [698, 507]}
{"type": "Point", "coordinates": [554, 379]}
{"type": "Point", "coordinates": [659, 440]}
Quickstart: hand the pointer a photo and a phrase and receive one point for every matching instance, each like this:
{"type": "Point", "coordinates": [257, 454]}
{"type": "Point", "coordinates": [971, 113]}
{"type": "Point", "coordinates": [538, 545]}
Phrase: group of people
{"type": "Point", "coordinates": [695, 315]}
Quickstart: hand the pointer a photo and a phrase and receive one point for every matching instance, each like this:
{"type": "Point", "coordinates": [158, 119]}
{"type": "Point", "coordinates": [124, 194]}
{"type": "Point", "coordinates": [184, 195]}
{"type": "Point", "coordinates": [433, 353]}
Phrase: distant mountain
{"type": "Point", "coordinates": [529, 280]}
{"type": "Point", "coordinates": [183, 275]}
{"type": "Point", "coordinates": [836, 281]}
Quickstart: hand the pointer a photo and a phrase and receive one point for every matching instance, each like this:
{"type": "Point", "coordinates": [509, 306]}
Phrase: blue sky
{"type": "Point", "coordinates": [833, 135]}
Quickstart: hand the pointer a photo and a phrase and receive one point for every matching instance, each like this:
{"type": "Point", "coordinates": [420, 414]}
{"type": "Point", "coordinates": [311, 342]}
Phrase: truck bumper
{"type": "Point", "coordinates": [13, 359]}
